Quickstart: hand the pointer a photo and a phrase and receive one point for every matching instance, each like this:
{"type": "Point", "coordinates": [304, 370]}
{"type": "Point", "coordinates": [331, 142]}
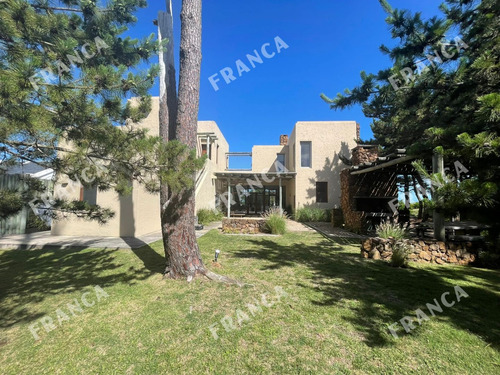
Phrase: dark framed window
{"type": "Point", "coordinates": [280, 162]}
{"type": "Point", "coordinates": [89, 195]}
{"type": "Point", "coordinates": [305, 154]}
{"type": "Point", "coordinates": [322, 192]}
{"type": "Point", "coordinates": [205, 151]}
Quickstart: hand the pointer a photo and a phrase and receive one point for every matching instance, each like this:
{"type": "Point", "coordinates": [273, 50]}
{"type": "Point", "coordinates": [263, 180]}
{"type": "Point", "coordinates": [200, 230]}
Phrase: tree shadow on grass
{"type": "Point", "coordinates": [30, 276]}
{"type": "Point", "coordinates": [386, 294]}
{"type": "Point", "coordinates": [153, 261]}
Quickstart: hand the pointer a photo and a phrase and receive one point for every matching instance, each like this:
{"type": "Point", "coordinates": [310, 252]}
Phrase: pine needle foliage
{"type": "Point", "coordinates": [72, 90]}
{"type": "Point", "coordinates": [442, 90]}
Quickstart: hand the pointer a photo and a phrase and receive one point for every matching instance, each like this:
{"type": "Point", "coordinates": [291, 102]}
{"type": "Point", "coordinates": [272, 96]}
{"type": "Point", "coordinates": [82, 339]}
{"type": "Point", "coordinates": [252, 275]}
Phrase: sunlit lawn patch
{"type": "Point", "coordinates": [334, 319]}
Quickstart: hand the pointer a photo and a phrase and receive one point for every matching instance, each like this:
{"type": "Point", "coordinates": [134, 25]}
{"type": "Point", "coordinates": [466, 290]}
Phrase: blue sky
{"type": "Point", "coordinates": [330, 42]}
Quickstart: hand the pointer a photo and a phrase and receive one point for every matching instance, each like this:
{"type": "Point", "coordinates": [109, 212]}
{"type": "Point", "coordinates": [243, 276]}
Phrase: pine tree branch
{"type": "Point", "coordinates": [63, 86]}
{"type": "Point", "coordinates": [89, 155]}
{"type": "Point", "coordinates": [22, 157]}
{"type": "Point", "coordinates": [56, 8]}
{"type": "Point", "coordinates": [63, 9]}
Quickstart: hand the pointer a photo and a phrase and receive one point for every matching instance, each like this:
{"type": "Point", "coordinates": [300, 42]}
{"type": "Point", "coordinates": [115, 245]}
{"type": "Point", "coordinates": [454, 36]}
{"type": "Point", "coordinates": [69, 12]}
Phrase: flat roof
{"type": "Point", "coordinates": [250, 174]}
{"type": "Point", "coordinates": [376, 165]}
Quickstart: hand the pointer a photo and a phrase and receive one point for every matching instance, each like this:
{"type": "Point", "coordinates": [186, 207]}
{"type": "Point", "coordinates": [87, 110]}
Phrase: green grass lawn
{"type": "Point", "coordinates": [334, 320]}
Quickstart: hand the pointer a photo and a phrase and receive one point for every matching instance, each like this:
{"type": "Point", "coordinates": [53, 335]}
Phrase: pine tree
{"type": "Point", "coordinates": [442, 93]}
{"type": "Point", "coordinates": [179, 122]}
{"type": "Point", "coordinates": [66, 74]}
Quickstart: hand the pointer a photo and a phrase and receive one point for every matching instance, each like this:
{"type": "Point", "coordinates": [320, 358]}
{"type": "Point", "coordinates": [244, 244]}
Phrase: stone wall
{"type": "Point", "coordinates": [283, 140]}
{"type": "Point", "coordinates": [427, 250]}
{"type": "Point", "coordinates": [244, 225]}
{"type": "Point", "coordinates": [363, 154]}
{"type": "Point", "coordinates": [353, 220]}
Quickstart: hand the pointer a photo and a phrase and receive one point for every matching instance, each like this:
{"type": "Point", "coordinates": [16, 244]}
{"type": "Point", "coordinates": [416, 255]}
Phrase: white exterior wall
{"type": "Point", "coordinates": [138, 214]}
{"type": "Point", "coordinates": [328, 140]}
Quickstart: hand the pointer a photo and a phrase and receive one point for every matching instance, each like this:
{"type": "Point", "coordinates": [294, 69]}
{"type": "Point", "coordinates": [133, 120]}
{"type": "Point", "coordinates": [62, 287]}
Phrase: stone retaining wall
{"type": "Point", "coordinates": [353, 219]}
{"type": "Point", "coordinates": [422, 250]}
{"type": "Point", "coordinates": [243, 225]}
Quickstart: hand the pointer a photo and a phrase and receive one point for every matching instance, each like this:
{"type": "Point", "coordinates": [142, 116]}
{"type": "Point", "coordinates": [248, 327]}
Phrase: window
{"type": "Point", "coordinates": [89, 195]}
{"type": "Point", "coordinates": [322, 192]}
{"type": "Point", "coordinates": [204, 150]}
{"type": "Point", "coordinates": [280, 163]}
{"type": "Point", "coordinates": [305, 154]}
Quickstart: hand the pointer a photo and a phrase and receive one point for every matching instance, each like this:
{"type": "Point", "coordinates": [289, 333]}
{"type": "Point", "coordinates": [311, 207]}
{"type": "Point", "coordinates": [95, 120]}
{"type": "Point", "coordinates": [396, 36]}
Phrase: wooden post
{"type": "Point", "coordinates": [438, 218]}
{"type": "Point", "coordinates": [281, 198]}
{"type": "Point", "coordinates": [229, 198]}
{"type": "Point", "coordinates": [208, 148]}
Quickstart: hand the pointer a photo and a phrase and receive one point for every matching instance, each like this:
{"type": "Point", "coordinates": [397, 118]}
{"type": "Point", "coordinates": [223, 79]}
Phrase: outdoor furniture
{"type": "Point", "coordinates": [404, 217]}
{"type": "Point", "coordinates": [465, 238]}
{"type": "Point", "coordinates": [197, 226]}
{"type": "Point", "coordinates": [422, 228]}
{"type": "Point", "coordinates": [467, 227]}
{"type": "Point", "coordinates": [465, 231]}
{"type": "Point", "coordinates": [375, 218]}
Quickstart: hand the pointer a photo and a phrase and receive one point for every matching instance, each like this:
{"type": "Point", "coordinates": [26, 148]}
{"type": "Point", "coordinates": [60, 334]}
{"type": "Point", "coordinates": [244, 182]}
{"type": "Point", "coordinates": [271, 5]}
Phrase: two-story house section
{"type": "Point", "coordinates": [302, 169]}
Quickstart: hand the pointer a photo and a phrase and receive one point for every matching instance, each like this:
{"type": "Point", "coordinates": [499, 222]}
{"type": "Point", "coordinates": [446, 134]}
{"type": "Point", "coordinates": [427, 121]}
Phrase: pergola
{"type": "Point", "coordinates": [370, 189]}
{"type": "Point", "coordinates": [245, 178]}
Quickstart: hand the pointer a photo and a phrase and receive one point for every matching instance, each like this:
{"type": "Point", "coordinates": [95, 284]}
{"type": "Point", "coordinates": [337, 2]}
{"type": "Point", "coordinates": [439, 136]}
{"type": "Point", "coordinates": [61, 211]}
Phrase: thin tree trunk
{"type": "Point", "coordinates": [422, 184]}
{"type": "Point", "coordinates": [417, 194]}
{"type": "Point", "coordinates": [438, 218]}
{"type": "Point", "coordinates": [168, 106]}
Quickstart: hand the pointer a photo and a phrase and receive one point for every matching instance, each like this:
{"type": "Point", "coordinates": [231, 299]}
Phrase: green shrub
{"type": "Point", "coordinates": [312, 214]}
{"type": "Point", "coordinates": [387, 229]}
{"type": "Point", "coordinates": [34, 222]}
{"type": "Point", "coordinates": [400, 252]}
{"type": "Point", "coordinates": [206, 216]}
{"type": "Point", "coordinates": [487, 259]}
{"type": "Point", "coordinates": [275, 221]}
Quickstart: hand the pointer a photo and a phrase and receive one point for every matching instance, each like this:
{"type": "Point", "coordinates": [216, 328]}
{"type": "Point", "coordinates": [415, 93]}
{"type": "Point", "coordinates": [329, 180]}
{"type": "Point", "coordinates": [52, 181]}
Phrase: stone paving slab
{"type": "Point", "coordinates": [44, 240]}
{"type": "Point", "coordinates": [295, 226]}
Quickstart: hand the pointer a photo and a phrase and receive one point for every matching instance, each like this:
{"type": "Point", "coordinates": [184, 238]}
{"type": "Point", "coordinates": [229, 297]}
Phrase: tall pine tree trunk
{"type": "Point", "coordinates": [179, 121]}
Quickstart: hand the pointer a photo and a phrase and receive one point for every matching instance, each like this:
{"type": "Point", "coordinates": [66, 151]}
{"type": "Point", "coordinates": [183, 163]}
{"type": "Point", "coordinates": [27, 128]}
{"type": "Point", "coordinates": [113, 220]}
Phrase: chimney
{"type": "Point", "coordinates": [364, 153]}
{"type": "Point", "coordinates": [283, 140]}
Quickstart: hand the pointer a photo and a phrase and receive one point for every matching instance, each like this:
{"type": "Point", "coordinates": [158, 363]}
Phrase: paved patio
{"type": "Point", "coordinates": [44, 240]}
